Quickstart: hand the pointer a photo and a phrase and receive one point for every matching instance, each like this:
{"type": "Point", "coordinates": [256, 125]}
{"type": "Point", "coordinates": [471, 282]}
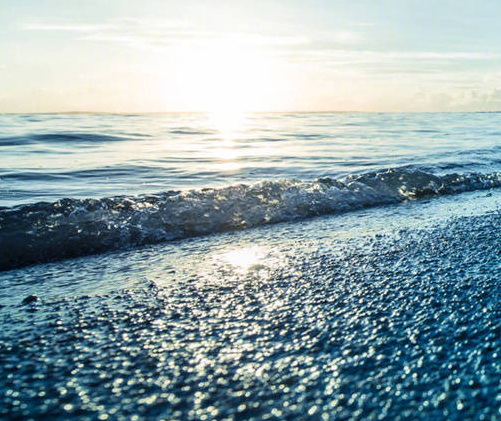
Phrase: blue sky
{"type": "Point", "coordinates": [251, 55]}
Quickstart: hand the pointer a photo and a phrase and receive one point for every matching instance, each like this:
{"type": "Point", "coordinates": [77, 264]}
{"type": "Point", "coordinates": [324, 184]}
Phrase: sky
{"type": "Point", "coordinates": [250, 55]}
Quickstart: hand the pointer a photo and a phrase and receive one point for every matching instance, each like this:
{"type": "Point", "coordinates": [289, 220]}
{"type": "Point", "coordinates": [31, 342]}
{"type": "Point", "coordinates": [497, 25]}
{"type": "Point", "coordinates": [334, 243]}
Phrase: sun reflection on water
{"type": "Point", "coordinates": [229, 125]}
{"type": "Point", "coordinates": [243, 258]}
{"type": "Point", "coordinates": [247, 259]}
{"type": "Point", "coordinates": [228, 122]}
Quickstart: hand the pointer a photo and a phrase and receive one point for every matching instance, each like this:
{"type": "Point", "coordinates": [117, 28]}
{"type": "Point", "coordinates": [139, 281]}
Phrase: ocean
{"type": "Point", "coordinates": [259, 266]}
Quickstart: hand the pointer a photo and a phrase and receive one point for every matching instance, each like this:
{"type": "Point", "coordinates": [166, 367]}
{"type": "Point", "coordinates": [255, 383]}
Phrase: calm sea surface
{"type": "Point", "coordinates": [47, 157]}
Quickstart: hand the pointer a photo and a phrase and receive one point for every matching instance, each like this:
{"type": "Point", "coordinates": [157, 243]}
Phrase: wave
{"type": "Point", "coordinates": [188, 131]}
{"type": "Point", "coordinates": [44, 232]}
{"type": "Point", "coordinates": [47, 138]}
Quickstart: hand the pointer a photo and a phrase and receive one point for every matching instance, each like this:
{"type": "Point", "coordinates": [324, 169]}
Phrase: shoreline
{"type": "Point", "coordinates": [372, 324]}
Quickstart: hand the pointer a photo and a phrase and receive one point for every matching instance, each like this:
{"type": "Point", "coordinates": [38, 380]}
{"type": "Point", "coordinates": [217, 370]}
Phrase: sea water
{"type": "Point", "coordinates": [47, 157]}
{"type": "Point", "coordinates": [276, 266]}
{"type": "Point", "coordinates": [79, 184]}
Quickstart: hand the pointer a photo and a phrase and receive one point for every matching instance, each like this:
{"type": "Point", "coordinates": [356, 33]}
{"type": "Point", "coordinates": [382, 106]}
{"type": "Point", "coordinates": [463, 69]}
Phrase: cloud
{"type": "Point", "coordinates": [326, 49]}
{"type": "Point", "coordinates": [339, 55]}
{"type": "Point", "coordinates": [66, 27]}
{"type": "Point", "coordinates": [430, 67]}
{"type": "Point", "coordinates": [151, 33]}
{"type": "Point", "coordinates": [458, 100]}
{"type": "Point", "coordinates": [154, 34]}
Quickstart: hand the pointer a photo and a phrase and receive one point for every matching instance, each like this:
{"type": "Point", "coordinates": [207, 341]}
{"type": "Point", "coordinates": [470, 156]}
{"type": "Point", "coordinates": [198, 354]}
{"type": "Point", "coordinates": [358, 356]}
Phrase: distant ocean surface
{"type": "Point", "coordinates": [77, 184]}
{"type": "Point", "coordinates": [47, 157]}
{"type": "Point", "coordinates": [132, 286]}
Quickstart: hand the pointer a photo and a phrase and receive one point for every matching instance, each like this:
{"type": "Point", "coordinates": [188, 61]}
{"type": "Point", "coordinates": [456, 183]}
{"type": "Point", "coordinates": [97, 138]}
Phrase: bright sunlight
{"type": "Point", "coordinates": [227, 80]}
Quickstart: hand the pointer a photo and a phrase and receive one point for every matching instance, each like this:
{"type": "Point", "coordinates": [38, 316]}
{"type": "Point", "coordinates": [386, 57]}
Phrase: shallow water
{"type": "Point", "coordinates": [386, 313]}
{"type": "Point", "coordinates": [185, 175]}
{"type": "Point", "coordinates": [359, 293]}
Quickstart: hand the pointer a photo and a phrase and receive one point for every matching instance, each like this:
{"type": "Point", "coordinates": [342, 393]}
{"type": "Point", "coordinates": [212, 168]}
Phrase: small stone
{"type": "Point", "coordinates": [30, 299]}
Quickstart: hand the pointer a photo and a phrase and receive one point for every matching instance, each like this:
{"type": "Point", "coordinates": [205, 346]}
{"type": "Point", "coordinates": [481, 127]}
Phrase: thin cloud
{"type": "Point", "coordinates": [378, 56]}
{"type": "Point", "coordinates": [147, 33]}
{"type": "Point", "coordinates": [333, 48]}
{"type": "Point", "coordinates": [66, 27]}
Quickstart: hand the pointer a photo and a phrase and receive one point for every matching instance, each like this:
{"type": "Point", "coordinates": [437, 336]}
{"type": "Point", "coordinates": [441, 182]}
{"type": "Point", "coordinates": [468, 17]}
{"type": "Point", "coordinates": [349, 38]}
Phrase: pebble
{"type": "Point", "coordinates": [30, 299]}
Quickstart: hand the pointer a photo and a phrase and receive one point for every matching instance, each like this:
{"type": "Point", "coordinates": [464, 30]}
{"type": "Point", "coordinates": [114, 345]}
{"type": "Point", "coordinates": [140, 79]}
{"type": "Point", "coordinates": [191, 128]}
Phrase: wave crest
{"type": "Point", "coordinates": [44, 232]}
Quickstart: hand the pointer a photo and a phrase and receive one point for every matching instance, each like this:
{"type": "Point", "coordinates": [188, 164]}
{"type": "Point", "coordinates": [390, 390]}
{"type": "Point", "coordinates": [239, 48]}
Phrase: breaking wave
{"type": "Point", "coordinates": [44, 232]}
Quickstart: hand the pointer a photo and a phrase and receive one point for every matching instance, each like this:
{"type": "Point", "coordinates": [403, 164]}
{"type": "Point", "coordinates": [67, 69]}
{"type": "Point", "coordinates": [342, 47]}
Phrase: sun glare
{"type": "Point", "coordinates": [227, 122]}
{"type": "Point", "coordinates": [227, 80]}
{"type": "Point", "coordinates": [249, 258]}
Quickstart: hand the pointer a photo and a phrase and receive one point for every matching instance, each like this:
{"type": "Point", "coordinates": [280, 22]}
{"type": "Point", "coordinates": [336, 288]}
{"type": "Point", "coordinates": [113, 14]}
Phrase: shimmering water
{"type": "Point", "coordinates": [49, 157]}
{"type": "Point", "coordinates": [367, 288]}
{"type": "Point", "coordinates": [81, 184]}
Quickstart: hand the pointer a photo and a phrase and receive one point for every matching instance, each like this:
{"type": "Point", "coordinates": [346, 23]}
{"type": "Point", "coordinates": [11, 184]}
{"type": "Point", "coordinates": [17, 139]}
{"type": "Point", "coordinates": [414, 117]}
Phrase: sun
{"type": "Point", "coordinates": [227, 79]}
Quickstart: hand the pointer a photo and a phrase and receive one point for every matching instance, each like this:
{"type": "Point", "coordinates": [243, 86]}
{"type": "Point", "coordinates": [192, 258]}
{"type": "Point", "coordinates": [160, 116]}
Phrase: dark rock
{"type": "Point", "coordinates": [30, 299]}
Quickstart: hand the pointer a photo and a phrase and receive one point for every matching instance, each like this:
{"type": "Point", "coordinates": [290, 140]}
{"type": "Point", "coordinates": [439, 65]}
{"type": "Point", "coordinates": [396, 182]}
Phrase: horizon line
{"type": "Point", "coordinates": [252, 112]}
